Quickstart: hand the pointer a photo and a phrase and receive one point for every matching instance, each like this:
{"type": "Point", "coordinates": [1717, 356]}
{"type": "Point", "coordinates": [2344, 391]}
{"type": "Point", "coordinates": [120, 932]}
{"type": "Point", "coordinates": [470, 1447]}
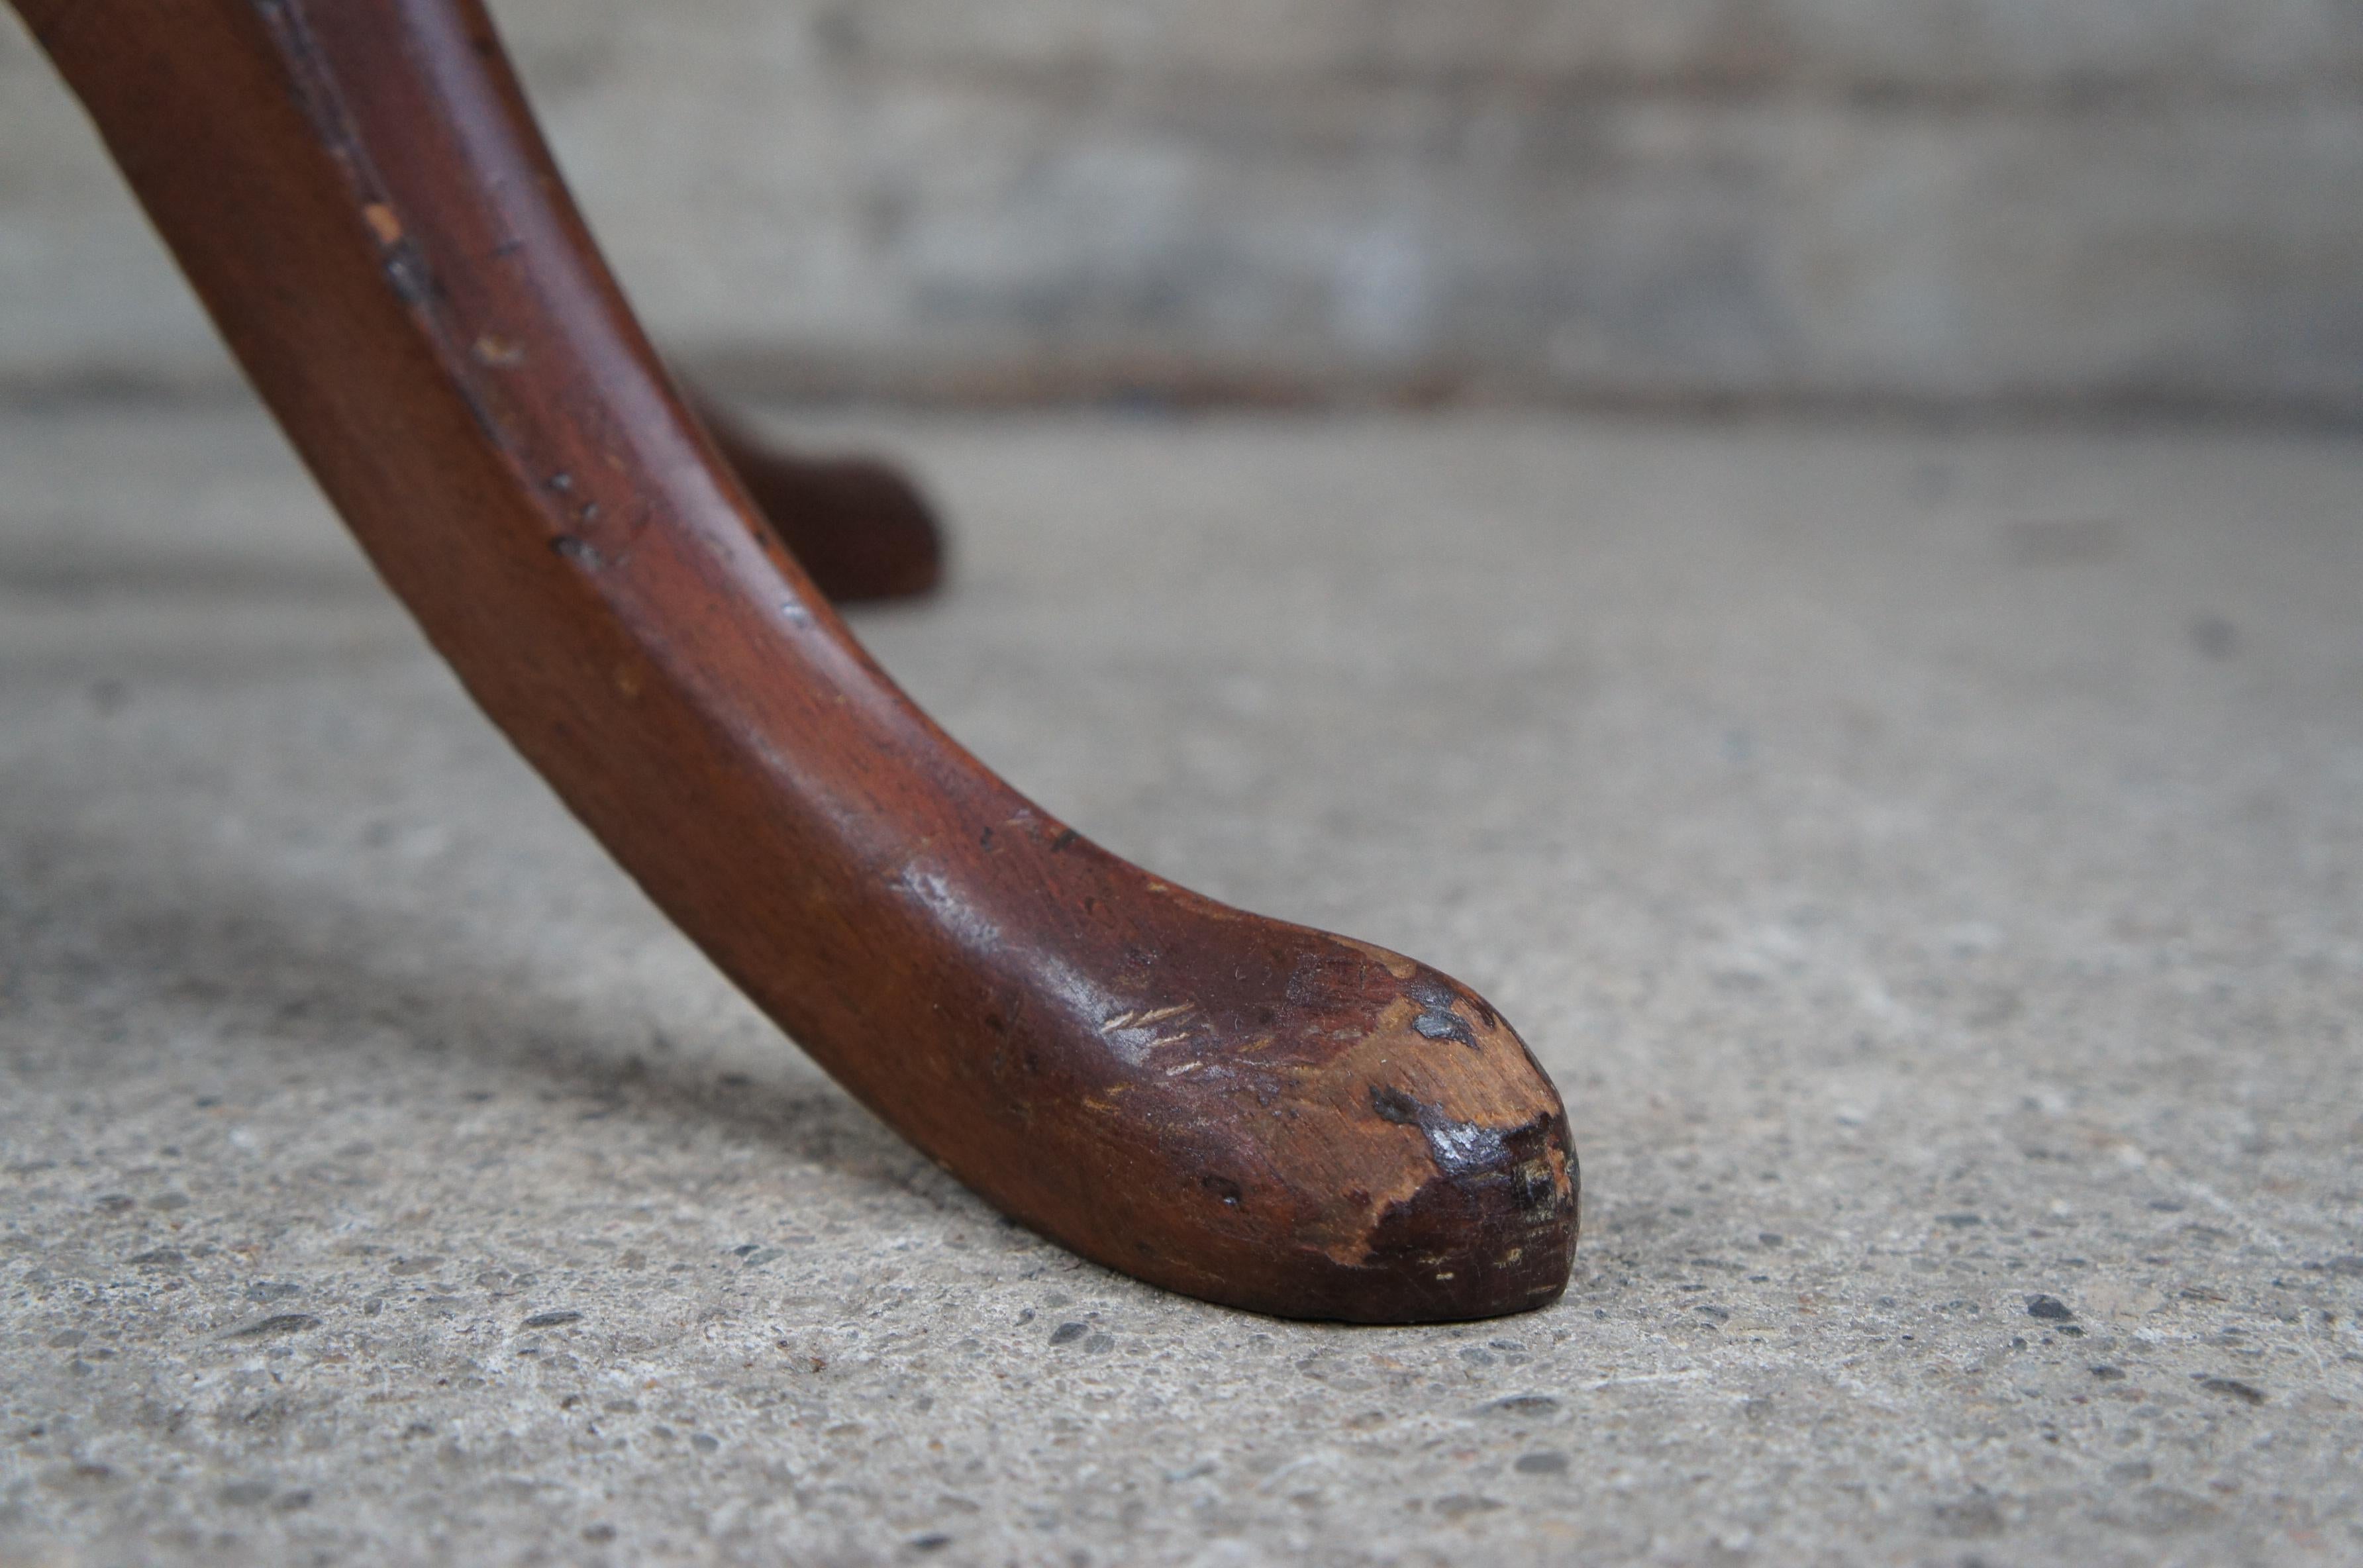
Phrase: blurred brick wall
{"type": "Point", "coordinates": [1931, 202]}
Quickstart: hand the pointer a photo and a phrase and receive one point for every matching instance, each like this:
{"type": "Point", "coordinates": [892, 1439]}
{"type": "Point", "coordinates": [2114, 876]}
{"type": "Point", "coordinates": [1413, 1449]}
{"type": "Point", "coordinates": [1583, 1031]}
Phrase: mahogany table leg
{"type": "Point", "coordinates": [1243, 1110]}
{"type": "Point", "coordinates": [859, 529]}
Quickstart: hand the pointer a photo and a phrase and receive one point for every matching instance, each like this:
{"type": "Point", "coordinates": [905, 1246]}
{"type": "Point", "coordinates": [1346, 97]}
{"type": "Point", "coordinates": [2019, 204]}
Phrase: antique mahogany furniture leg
{"type": "Point", "coordinates": [1245, 1110]}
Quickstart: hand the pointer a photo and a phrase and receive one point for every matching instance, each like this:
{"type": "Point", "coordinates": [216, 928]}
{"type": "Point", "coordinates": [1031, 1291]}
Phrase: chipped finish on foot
{"type": "Point", "coordinates": [1247, 1110]}
{"type": "Point", "coordinates": [1274, 1115]}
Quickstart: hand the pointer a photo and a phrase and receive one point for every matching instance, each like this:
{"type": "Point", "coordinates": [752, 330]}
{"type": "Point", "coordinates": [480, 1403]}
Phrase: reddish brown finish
{"type": "Point", "coordinates": [1245, 1110]}
{"type": "Point", "coordinates": [860, 530]}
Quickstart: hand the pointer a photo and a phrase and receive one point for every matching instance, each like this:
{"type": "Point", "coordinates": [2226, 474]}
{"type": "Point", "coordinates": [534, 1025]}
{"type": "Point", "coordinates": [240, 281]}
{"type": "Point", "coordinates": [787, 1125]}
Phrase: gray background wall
{"type": "Point", "coordinates": [2102, 202]}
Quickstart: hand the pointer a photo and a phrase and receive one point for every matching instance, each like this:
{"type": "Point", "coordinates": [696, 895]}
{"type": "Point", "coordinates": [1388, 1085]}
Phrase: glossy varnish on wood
{"type": "Point", "coordinates": [1247, 1110]}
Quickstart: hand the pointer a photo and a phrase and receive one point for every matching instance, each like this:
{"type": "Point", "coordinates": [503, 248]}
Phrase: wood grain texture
{"type": "Point", "coordinates": [1247, 1110]}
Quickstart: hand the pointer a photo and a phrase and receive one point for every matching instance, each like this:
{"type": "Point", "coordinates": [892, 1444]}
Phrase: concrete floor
{"type": "Point", "coordinates": [1932, 867]}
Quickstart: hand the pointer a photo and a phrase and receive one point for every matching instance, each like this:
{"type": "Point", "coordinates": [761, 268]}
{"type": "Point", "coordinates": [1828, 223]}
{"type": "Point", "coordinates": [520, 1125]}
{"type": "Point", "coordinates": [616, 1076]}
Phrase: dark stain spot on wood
{"type": "Point", "coordinates": [1431, 991]}
{"type": "Point", "coordinates": [1438, 998]}
{"type": "Point", "coordinates": [1445, 1026]}
{"type": "Point", "coordinates": [1066, 837]}
{"type": "Point", "coordinates": [1458, 1148]}
{"type": "Point", "coordinates": [407, 271]}
{"type": "Point", "coordinates": [1230, 1193]}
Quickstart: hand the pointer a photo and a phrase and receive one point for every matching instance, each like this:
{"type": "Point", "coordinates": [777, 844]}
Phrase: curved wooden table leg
{"type": "Point", "coordinates": [1245, 1110]}
{"type": "Point", "coordinates": [860, 530]}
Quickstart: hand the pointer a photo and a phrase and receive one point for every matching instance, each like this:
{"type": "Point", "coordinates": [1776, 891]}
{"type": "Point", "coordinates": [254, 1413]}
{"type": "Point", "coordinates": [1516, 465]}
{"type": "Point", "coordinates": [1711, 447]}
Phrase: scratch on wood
{"type": "Point", "coordinates": [1147, 1017]}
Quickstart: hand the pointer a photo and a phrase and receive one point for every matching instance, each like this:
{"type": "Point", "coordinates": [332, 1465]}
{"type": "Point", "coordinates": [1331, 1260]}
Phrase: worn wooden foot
{"type": "Point", "coordinates": [860, 530]}
{"type": "Point", "coordinates": [1243, 1110]}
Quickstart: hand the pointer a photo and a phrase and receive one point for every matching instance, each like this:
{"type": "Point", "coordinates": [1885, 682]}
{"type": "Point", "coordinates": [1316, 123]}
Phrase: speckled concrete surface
{"type": "Point", "coordinates": [1932, 867]}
